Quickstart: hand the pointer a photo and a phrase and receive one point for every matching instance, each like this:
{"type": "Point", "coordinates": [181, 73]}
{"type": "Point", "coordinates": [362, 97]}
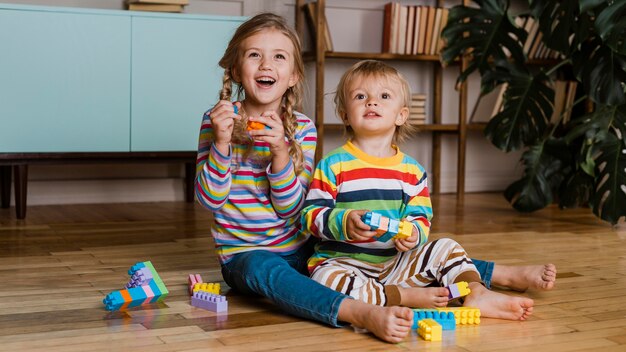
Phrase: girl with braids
{"type": "Point", "coordinates": [255, 182]}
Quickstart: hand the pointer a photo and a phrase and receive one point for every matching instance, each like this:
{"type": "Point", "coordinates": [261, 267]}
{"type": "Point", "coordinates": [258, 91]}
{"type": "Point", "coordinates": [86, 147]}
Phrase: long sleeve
{"type": "Point", "coordinates": [418, 208]}
{"type": "Point", "coordinates": [288, 190]}
{"type": "Point", "coordinates": [320, 216]}
{"type": "Point", "coordinates": [213, 174]}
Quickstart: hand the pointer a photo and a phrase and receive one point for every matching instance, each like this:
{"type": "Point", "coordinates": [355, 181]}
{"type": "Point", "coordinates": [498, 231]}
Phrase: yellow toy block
{"type": "Point", "coordinates": [463, 315]}
{"type": "Point", "coordinates": [208, 287]}
{"type": "Point", "coordinates": [459, 289]}
{"type": "Point", "coordinates": [429, 330]}
{"type": "Point", "coordinates": [405, 229]}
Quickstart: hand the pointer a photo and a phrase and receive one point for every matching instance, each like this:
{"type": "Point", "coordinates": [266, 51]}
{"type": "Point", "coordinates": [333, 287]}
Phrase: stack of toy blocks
{"type": "Point", "coordinates": [429, 330]}
{"type": "Point", "coordinates": [206, 295]}
{"type": "Point", "coordinates": [145, 286]}
{"type": "Point", "coordinates": [459, 289]}
{"type": "Point", "coordinates": [387, 228]}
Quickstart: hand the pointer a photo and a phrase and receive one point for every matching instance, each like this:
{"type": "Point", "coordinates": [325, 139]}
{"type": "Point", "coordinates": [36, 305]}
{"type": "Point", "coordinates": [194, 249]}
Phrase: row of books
{"type": "Point", "coordinates": [417, 114]}
{"type": "Point", "coordinates": [534, 48]}
{"type": "Point", "coordinates": [491, 104]}
{"type": "Point", "coordinates": [413, 30]}
{"type": "Point", "coordinates": [157, 5]}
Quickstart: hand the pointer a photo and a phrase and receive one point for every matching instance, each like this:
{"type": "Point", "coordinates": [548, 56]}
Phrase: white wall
{"type": "Point", "coordinates": [355, 26]}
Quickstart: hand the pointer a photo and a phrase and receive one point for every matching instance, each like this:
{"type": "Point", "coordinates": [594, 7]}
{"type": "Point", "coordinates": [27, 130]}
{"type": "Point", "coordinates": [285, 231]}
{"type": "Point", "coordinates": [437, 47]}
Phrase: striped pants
{"type": "Point", "coordinates": [437, 263]}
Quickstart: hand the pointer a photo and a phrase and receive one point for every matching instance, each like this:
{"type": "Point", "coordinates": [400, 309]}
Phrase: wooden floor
{"type": "Point", "coordinates": [58, 264]}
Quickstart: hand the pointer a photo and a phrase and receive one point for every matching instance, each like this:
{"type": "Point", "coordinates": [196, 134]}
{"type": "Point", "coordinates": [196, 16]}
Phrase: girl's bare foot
{"type": "Point", "coordinates": [521, 278]}
{"type": "Point", "coordinates": [423, 297]}
{"type": "Point", "coordinates": [497, 305]}
{"type": "Point", "coordinates": [390, 324]}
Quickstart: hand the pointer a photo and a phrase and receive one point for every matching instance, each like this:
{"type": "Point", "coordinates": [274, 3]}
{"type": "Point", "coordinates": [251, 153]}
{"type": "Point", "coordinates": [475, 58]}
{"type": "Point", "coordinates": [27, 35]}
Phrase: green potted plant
{"type": "Point", "coordinates": [582, 161]}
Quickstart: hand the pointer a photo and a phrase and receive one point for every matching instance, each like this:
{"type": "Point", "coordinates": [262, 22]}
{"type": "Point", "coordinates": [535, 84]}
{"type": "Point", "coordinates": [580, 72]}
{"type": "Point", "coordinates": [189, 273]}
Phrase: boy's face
{"type": "Point", "coordinates": [374, 106]}
{"type": "Point", "coordinates": [266, 68]}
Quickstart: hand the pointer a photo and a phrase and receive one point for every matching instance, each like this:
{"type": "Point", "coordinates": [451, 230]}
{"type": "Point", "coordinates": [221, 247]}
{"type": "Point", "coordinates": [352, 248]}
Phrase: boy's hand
{"type": "Point", "coordinates": [223, 119]}
{"type": "Point", "coordinates": [404, 244]}
{"type": "Point", "coordinates": [356, 228]}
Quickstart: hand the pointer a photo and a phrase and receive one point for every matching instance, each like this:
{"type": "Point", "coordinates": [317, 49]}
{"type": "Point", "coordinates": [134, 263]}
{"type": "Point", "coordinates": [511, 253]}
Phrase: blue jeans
{"type": "Point", "coordinates": [285, 281]}
{"type": "Point", "coordinates": [485, 269]}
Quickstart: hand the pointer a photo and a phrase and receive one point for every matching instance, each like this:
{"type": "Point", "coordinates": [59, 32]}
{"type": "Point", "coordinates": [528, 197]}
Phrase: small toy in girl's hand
{"type": "Point", "coordinates": [254, 125]}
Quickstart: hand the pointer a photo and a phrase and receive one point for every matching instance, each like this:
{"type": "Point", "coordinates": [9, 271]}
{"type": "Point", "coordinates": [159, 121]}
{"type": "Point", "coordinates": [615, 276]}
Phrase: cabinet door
{"type": "Point", "coordinates": [175, 78]}
{"type": "Point", "coordinates": [64, 82]}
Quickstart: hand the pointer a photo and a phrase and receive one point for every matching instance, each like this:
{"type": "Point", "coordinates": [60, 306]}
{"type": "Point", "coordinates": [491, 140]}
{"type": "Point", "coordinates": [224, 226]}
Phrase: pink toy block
{"type": "Point", "coordinates": [209, 301]}
{"type": "Point", "coordinates": [193, 280]}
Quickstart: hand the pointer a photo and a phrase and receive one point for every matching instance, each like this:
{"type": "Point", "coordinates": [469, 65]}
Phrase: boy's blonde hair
{"type": "Point", "coordinates": [291, 98]}
{"type": "Point", "coordinates": [379, 70]}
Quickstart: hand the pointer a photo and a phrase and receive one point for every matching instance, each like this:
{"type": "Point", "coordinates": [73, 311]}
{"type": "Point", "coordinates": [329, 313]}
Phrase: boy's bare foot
{"type": "Point", "coordinates": [423, 297]}
{"type": "Point", "coordinates": [498, 305]}
{"type": "Point", "coordinates": [390, 324]}
{"type": "Point", "coordinates": [523, 277]}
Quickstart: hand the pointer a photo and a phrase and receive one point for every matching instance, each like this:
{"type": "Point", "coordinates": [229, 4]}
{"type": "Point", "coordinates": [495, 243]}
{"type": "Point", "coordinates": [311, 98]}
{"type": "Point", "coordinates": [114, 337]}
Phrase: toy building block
{"type": "Point", "coordinates": [146, 287]}
{"type": "Point", "coordinates": [254, 125]}
{"type": "Point", "coordinates": [429, 330]}
{"type": "Point", "coordinates": [209, 301]}
{"type": "Point", "coordinates": [208, 287]}
{"type": "Point", "coordinates": [387, 228]}
{"type": "Point", "coordinates": [193, 280]}
{"type": "Point", "coordinates": [464, 315]}
{"type": "Point", "coordinates": [445, 319]}
{"type": "Point", "coordinates": [459, 289]}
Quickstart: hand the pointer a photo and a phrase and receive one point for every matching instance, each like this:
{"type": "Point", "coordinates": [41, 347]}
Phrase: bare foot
{"type": "Point", "coordinates": [423, 297]}
{"type": "Point", "coordinates": [498, 305]}
{"type": "Point", "coordinates": [390, 324]}
{"type": "Point", "coordinates": [521, 278]}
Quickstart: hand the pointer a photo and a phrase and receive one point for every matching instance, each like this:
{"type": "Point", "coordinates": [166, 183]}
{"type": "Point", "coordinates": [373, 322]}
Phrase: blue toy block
{"type": "Point", "coordinates": [445, 319]}
{"type": "Point", "coordinates": [387, 228]}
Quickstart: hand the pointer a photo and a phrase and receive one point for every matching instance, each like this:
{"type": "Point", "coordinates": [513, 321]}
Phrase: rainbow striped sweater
{"type": "Point", "coordinates": [253, 208]}
{"type": "Point", "coordinates": [349, 179]}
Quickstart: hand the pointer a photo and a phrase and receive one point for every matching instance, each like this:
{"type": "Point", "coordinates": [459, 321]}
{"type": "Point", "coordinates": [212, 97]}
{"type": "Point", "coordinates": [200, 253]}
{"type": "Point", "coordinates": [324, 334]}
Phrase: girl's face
{"type": "Point", "coordinates": [374, 106]}
{"type": "Point", "coordinates": [266, 68]}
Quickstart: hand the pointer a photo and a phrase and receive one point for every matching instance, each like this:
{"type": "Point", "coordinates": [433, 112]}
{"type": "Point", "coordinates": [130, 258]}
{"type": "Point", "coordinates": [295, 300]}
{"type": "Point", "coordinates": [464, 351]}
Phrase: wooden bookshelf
{"type": "Point", "coordinates": [436, 127]}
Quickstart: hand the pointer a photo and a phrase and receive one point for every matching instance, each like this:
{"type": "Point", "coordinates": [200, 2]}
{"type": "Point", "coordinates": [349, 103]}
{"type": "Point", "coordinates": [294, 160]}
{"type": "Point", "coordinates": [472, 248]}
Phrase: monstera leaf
{"type": "Point", "coordinates": [545, 166]}
{"type": "Point", "coordinates": [557, 20]}
{"type": "Point", "coordinates": [609, 200]}
{"type": "Point", "coordinates": [484, 34]}
{"type": "Point", "coordinates": [602, 72]}
{"type": "Point", "coordinates": [609, 23]}
{"type": "Point", "coordinates": [527, 108]}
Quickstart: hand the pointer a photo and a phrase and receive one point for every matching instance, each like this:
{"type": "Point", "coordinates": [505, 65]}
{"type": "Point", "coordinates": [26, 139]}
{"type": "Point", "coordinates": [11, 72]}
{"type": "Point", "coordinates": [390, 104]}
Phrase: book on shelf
{"type": "Point", "coordinates": [413, 30]}
{"type": "Point", "coordinates": [155, 7]}
{"type": "Point", "coordinates": [167, 2]}
{"type": "Point", "coordinates": [564, 97]}
{"type": "Point", "coordinates": [311, 15]}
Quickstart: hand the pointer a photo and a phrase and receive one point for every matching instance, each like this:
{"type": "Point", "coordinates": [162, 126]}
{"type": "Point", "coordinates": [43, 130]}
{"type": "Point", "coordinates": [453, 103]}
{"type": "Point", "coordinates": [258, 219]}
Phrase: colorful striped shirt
{"type": "Point", "coordinates": [253, 208]}
{"type": "Point", "coordinates": [349, 179]}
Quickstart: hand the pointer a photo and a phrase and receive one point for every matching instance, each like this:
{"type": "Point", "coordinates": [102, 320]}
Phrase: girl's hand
{"type": "Point", "coordinates": [356, 228]}
{"type": "Point", "coordinates": [223, 119]}
{"type": "Point", "coordinates": [274, 135]}
{"type": "Point", "coordinates": [404, 244]}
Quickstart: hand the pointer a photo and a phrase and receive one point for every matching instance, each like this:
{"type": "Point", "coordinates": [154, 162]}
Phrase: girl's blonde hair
{"type": "Point", "coordinates": [378, 70]}
{"type": "Point", "coordinates": [291, 98]}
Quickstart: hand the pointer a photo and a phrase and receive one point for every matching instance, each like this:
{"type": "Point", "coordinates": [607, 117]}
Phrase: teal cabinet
{"type": "Point", "coordinates": [78, 80]}
{"type": "Point", "coordinates": [64, 82]}
{"type": "Point", "coordinates": [175, 78]}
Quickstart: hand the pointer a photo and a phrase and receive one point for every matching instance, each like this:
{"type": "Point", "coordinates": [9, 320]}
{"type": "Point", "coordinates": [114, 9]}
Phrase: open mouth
{"type": "Point", "coordinates": [266, 81]}
{"type": "Point", "coordinates": [371, 114]}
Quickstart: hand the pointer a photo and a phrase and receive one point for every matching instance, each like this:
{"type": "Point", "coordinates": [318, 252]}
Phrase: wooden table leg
{"type": "Point", "coordinates": [5, 186]}
{"type": "Point", "coordinates": [190, 180]}
{"type": "Point", "coordinates": [21, 182]}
